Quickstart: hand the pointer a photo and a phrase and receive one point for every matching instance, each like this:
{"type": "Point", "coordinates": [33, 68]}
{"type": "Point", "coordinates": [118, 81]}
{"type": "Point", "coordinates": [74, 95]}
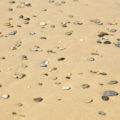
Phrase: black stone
{"type": "Point", "coordinates": [105, 98]}
{"type": "Point", "coordinates": [61, 59]}
{"type": "Point", "coordinates": [39, 99]}
{"type": "Point", "coordinates": [107, 42]}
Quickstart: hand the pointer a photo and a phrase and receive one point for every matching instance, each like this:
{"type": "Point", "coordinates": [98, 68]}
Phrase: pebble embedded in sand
{"type": "Point", "coordinates": [85, 86]}
{"type": "Point", "coordinates": [101, 113]}
{"type": "Point", "coordinates": [44, 64]}
{"type": "Point", "coordinates": [38, 99]}
{"type": "Point", "coordinates": [102, 34]}
{"type": "Point", "coordinates": [19, 75]}
{"type": "Point", "coordinates": [43, 24]}
{"type": "Point", "coordinates": [88, 100]}
{"type": "Point", "coordinates": [112, 82]}
{"type": "Point", "coordinates": [110, 93]}
{"type": "Point", "coordinates": [5, 96]}
{"type": "Point", "coordinates": [61, 59]}
{"type": "Point", "coordinates": [66, 88]}
{"type": "Point", "coordinates": [105, 98]}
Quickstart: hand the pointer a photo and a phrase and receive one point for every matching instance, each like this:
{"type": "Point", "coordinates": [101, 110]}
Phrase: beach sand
{"type": "Point", "coordinates": [76, 49]}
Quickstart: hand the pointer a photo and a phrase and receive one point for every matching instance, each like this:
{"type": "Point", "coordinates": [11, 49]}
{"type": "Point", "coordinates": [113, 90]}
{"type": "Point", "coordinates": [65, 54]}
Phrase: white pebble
{"type": "Point", "coordinates": [42, 23]}
{"type": "Point", "coordinates": [5, 96]}
{"type": "Point", "coordinates": [66, 88]}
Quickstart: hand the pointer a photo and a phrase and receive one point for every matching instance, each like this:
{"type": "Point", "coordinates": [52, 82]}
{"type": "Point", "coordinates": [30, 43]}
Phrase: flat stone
{"type": "Point", "coordinates": [38, 99]}
{"type": "Point", "coordinates": [107, 42]}
{"type": "Point", "coordinates": [66, 88]}
{"type": "Point", "coordinates": [103, 73]}
{"type": "Point", "coordinates": [85, 86]}
{"type": "Point", "coordinates": [110, 93]}
{"type": "Point", "coordinates": [13, 33]}
{"type": "Point", "coordinates": [68, 33]}
{"type": "Point", "coordinates": [19, 76]}
{"type": "Point", "coordinates": [32, 33]}
{"type": "Point", "coordinates": [112, 30]}
{"type": "Point", "coordinates": [12, 1]}
{"type": "Point", "coordinates": [5, 96]}
{"type": "Point", "coordinates": [44, 64]}
{"type": "Point", "coordinates": [61, 59]}
{"type": "Point", "coordinates": [112, 82]}
{"type": "Point", "coordinates": [43, 9]}
{"type": "Point", "coordinates": [105, 98]}
{"type": "Point", "coordinates": [101, 113]}
{"type": "Point", "coordinates": [77, 23]}
{"type": "Point", "coordinates": [58, 4]}
{"type": "Point", "coordinates": [96, 21]}
{"type": "Point", "coordinates": [52, 26]}
{"type": "Point", "coordinates": [28, 4]}
{"type": "Point", "coordinates": [91, 59]}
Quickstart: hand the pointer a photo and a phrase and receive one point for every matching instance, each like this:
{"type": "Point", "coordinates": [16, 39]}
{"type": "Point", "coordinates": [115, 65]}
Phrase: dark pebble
{"type": "Point", "coordinates": [107, 42]}
{"type": "Point", "coordinates": [61, 59]}
{"type": "Point", "coordinates": [105, 98]}
{"type": "Point", "coordinates": [67, 77]}
{"type": "Point", "coordinates": [101, 113]}
{"type": "Point", "coordinates": [102, 34]}
{"type": "Point", "coordinates": [39, 99]}
{"type": "Point", "coordinates": [112, 82]}
{"type": "Point", "coordinates": [85, 86]}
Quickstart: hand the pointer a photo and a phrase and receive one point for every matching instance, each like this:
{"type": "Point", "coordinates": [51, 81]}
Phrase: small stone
{"type": "Point", "coordinates": [13, 33]}
{"type": "Point", "coordinates": [110, 93]}
{"type": "Point", "coordinates": [21, 16]}
{"type": "Point", "coordinates": [43, 38]}
{"type": "Point", "coordinates": [68, 33]}
{"type": "Point", "coordinates": [51, 1]}
{"type": "Point", "coordinates": [0, 85]}
{"type": "Point", "coordinates": [66, 88]}
{"type": "Point", "coordinates": [38, 99]}
{"type": "Point", "coordinates": [26, 22]}
{"type": "Point", "coordinates": [77, 23]}
{"type": "Point", "coordinates": [28, 4]}
{"type": "Point", "coordinates": [24, 57]}
{"type": "Point", "coordinates": [61, 59]}
{"type": "Point", "coordinates": [103, 73]}
{"type": "Point", "coordinates": [43, 9]}
{"type": "Point", "coordinates": [112, 30]}
{"type": "Point", "coordinates": [43, 24]}
{"type": "Point", "coordinates": [10, 9]}
{"type": "Point", "coordinates": [117, 44]}
{"type": "Point", "coordinates": [40, 84]}
{"type": "Point", "coordinates": [96, 21]}
{"type": "Point", "coordinates": [46, 74]}
{"type": "Point", "coordinates": [67, 77]}
{"type": "Point", "coordinates": [102, 34]}
{"type": "Point", "coordinates": [12, 1]}
{"type": "Point", "coordinates": [52, 26]}
{"type": "Point", "coordinates": [54, 78]}
{"type": "Point", "coordinates": [85, 86]}
{"type": "Point", "coordinates": [14, 113]}
{"type": "Point", "coordinates": [32, 33]}
{"type": "Point", "coordinates": [88, 100]}
{"type": "Point", "coordinates": [12, 48]}
{"type": "Point", "coordinates": [112, 82]}
{"type": "Point", "coordinates": [58, 83]}
{"type": "Point", "coordinates": [5, 96]}
{"type": "Point", "coordinates": [101, 113]}
{"type": "Point", "coordinates": [105, 98]}
{"type": "Point", "coordinates": [19, 104]}
{"type": "Point", "coordinates": [58, 4]}
{"type": "Point", "coordinates": [44, 64]}
{"type": "Point", "coordinates": [107, 42]}
{"type": "Point", "coordinates": [19, 76]}
{"type": "Point", "coordinates": [91, 59]}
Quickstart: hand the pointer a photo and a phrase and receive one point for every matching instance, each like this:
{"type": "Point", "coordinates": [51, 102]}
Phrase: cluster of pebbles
{"type": "Point", "coordinates": [103, 38]}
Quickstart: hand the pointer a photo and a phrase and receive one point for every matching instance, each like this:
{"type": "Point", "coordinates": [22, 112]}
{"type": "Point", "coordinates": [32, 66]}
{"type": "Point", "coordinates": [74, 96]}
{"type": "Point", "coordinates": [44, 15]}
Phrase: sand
{"type": "Point", "coordinates": [59, 104]}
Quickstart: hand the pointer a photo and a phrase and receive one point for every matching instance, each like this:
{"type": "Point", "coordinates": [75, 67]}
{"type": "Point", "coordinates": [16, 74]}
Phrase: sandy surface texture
{"type": "Point", "coordinates": [59, 59]}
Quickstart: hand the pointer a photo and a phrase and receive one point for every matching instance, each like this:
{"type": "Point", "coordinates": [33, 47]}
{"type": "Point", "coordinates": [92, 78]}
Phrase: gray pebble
{"type": "Point", "coordinates": [117, 44]}
{"type": "Point", "coordinates": [13, 48]}
{"type": "Point", "coordinates": [85, 86]}
{"type": "Point", "coordinates": [43, 9]}
{"type": "Point", "coordinates": [101, 113]}
{"type": "Point", "coordinates": [88, 100]}
{"type": "Point", "coordinates": [12, 1]}
{"type": "Point", "coordinates": [19, 76]}
{"type": "Point", "coordinates": [52, 26]}
{"type": "Point", "coordinates": [38, 99]}
{"type": "Point", "coordinates": [13, 33]}
{"type": "Point", "coordinates": [24, 57]}
{"type": "Point", "coordinates": [112, 82]}
{"type": "Point", "coordinates": [58, 4]}
{"type": "Point", "coordinates": [68, 33]}
{"type": "Point", "coordinates": [112, 30]}
{"type": "Point", "coordinates": [77, 23]}
{"type": "Point", "coordinates": [96, 21]}
{"type": "Point", "coordinates": [32, 33]}
{"type": "Point", "coordinates": [105, 98]}
{"type": "Point", "coordinates": [102, 34]}
{"type": "Point", "coordinates": [110, 93]}
{"type": "Point", "coordinates": [91, 59]}
{"type": "Point", "coordinates": [28, 4]}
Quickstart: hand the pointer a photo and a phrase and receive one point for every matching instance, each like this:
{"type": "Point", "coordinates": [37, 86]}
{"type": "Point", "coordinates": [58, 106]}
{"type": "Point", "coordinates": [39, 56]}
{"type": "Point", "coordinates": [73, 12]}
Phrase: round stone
{"type": "Point", "coordinates": [105, 98]}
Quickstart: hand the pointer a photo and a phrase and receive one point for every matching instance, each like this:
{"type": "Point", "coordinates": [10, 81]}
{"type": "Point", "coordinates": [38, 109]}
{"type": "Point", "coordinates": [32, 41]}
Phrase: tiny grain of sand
{"type": "Point", "coordinates": [59, 59]}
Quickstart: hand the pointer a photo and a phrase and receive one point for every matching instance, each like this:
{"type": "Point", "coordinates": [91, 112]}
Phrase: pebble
{"type": "Point", "coordinates": [58, 4]}
{"type": "Point", "coordinates": [43, 24]}
{"type": "Point", "coordinates": [102, 34]}
{"type": "Point", "coordinates": [32, 33]}
{"type": "Point", "coordinates": [54, 78]}
{"type": "Point", "coordinates": [112, 82]}
{"type": "Point", "coordinates": [43, 38]}
{"type": "Point", "coordinates": [14, 113]}
{"type": "Point", "coordinates": [117, 44]}
{"type": "Point", "coordinates": [44, 64]}
{"type": "Point", "coordinates": [43, 9]}
{"type": "Point", "coordinates": [13, 48]}
{"type": "Point", "coordinates": [38, 99]}
{"type": "Point", "coordinates": [51, 1]}
{"type": "Point", "coordinates": [19, 76]}
{"type": "Point", "coordinates": [13, 33]}
{"type": "Point", "coordinates": [10, 9]}
{"type": "Point", "coordinates": [88, 100]}
{"type": "Point", "coordinates": [103, 73]}
{"type": "Point", "coordinates": [5, 96]}
{"type": "Point", "coordinates": [12, 1]}
{"type": "Point", "coordinates": [67, 77]}
{"type": "Point", "coordinates": [110, 93]}
{"type": "Point", "coordinates": [66, 88]}
{"type": "Point", "coordinates": [105, 98]}
{"type": "Point", "coordinates": [68, 33]}
{"type": "Point", "coordinates": [24, 57]}
{"type": "Point", "coordinates": [101, 113]}
{"type": "Point", "coordinates": [112, 30]}
{"type": "Point", "coordinates": [91, 59]}
{"type": "Point", "coordinates": [77, 23]}
{"type": "Point", "coordinates": [96, 21]}
{"type": "Point", "coordinates": [21, 16]}
{"type": "Point", "coordinates": [107, 42]}
{"type": "Point", "coordinates": [52, 26]}
{"type": "Point", "coordinates": [61, 59]}
{"type": "Point", "coordinates": [28, 4]}
{"type": "Point", "coordinates": [85, 86]}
